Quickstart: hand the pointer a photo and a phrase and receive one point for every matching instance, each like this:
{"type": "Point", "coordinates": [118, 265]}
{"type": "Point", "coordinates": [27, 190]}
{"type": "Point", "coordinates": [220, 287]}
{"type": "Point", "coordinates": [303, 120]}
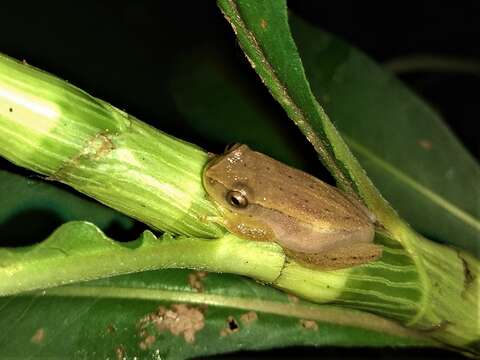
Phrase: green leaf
{"type": "Point", "coordinates": [108, 318]}
{"type": "Point", "coordinates": [30, 209]}
{"type": "Point", "coordinates": [412, 157]}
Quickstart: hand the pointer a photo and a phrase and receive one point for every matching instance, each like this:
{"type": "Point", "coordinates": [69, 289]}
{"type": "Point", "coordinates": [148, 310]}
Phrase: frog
{"type": "Point", "coordinates": [262, 199]}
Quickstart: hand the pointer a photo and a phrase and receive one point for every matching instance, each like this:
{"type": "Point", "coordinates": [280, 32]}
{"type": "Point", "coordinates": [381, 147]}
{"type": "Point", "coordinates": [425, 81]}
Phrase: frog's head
{"type": "Point", "coordinates": [226, 183]}
{"type": "Point", "coordinates": [227, 180]}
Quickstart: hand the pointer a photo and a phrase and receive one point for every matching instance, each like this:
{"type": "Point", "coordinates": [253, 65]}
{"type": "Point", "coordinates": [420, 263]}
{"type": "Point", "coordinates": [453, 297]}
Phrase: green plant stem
{"type": "Point", "coordinates": [56, 129]}
{"type": "Point", "coordinates": [56, 261]}
{"type": "Point", "coordinates": [323, 313]}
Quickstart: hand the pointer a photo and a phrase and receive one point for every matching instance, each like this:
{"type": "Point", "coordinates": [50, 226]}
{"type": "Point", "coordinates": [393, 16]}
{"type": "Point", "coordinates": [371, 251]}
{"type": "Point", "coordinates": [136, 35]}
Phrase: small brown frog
{"type": "Point", "coordinates": [265, 200]}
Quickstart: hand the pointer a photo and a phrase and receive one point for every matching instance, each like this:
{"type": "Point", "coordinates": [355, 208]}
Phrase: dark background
{"type": "Point", "coordinates": [391, 29]}
{"type": "Point", "coordinates": [124, 51]}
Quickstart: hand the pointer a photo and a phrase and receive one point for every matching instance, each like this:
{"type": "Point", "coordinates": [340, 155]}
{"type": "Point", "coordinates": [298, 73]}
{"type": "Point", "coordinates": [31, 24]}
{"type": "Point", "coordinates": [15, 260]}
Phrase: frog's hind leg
{"type": "Point", "coordinates": [344, 257]}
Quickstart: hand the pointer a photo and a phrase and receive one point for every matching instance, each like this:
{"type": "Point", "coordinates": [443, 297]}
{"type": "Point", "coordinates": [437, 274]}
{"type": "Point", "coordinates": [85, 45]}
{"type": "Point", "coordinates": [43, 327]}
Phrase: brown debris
{"type": "Point", "coordinates": [120, 352]}
{"type": "Point", "coordinates": [425, 144]}
{"type": "Point", "coordinates": [180, 319]}
{"type": "Point", "coordinates": [249, 318]}
{"type": "Point", "coordinates": [232, 327]}
{"type": "Point", "coordinates": [309, 324]}
{"type": "Point", "coordinates": [440, 326]}
{"type": "Point", "coordinates": [147, 342]}
{"type": "Point", "coordinates": [263, 24]}
{"type": "Point", "coordinates": [38, 337]}
{"type": "Point", "coordinates": [293, 299]}
{"type": "Point", "coordinates": [468, 275]}
{"type": "Point", "coordinates": [99, 146]}
{"type": "Point", "coordinates": [195, 280]}
{"type": "Point", "coordinates": [111, 329]}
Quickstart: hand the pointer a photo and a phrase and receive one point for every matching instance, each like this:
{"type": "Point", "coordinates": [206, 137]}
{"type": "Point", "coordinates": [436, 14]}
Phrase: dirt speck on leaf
{"type": "Point", "coordinates": [231, 327]}
{"type": "Point", "coordinates": [249, 318]}
{"type": "Point", "coordinates": [180, 319]}
{"type": "Point", "coordinates": [111, 329]}
{"type": "Point", "coordinates": [38, 337]}
{"type": "Point", "coordinates": [147, 342]}
{"type": "Point", "coordinates": [309, 324]}
{"type": "Point", "coordinates": [195, 280]}
{"type": "Point", "coordinates": [120, 352]}
{"type": "Point", "coordinates": [425, 144]}
{"type": "Point", "coordinates": [293, 299]}
{"type": "Point", "coordinates": [263, 24]}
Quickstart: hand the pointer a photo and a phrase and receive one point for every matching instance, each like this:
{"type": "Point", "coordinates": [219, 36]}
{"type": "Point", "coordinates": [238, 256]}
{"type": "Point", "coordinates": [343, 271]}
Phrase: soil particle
{"type": "Point", "coordinates": [111, 329]}
{"type": "Point", "coordinates": [263, 24]}
{"type": "Point", "coordinates": [38, 337]}
{"type": "Point", "coordinates": [180, 319]}
{"type": "Point", "coordinates": [147, 342]}
{"type": "Point", "coordinates": [425, 144]}
{"type": "Point", "coordinates": [195, 280]}
{"type": "Point", "coordinates": [293, 299]}
{"type": "Point", "coordinates": [249, 318]}
{"type": "Point", "coordinates": [120, 352]}
{"type": "Point", "coordinates": [309, 324]}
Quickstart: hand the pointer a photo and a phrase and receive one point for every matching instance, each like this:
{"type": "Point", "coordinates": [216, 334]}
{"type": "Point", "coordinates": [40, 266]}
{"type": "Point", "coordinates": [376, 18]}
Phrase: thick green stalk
{"type": "Point", "coordinates": [56, 129]}
{"type": "Point", "coordinates": [51, 127]}
{"type": "Point", "coordinates": [445, 306]}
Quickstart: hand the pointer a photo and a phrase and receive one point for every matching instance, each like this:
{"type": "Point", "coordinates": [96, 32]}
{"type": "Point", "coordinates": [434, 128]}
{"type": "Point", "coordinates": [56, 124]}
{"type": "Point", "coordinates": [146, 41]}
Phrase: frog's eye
{"type": "Point", "coordinates": [237, 199]}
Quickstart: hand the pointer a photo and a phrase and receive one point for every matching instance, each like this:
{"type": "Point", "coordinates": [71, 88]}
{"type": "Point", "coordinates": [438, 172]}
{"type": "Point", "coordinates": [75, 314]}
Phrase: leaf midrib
{"type": "Point", "coordinates": [402, 177]}
{"type": "Point", "coordinates": [322, 313]}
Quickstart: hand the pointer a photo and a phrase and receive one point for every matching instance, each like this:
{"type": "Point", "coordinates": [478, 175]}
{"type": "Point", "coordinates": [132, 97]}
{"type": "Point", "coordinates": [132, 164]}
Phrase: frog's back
{"type": "Point", "coordinates": [302, 196]}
